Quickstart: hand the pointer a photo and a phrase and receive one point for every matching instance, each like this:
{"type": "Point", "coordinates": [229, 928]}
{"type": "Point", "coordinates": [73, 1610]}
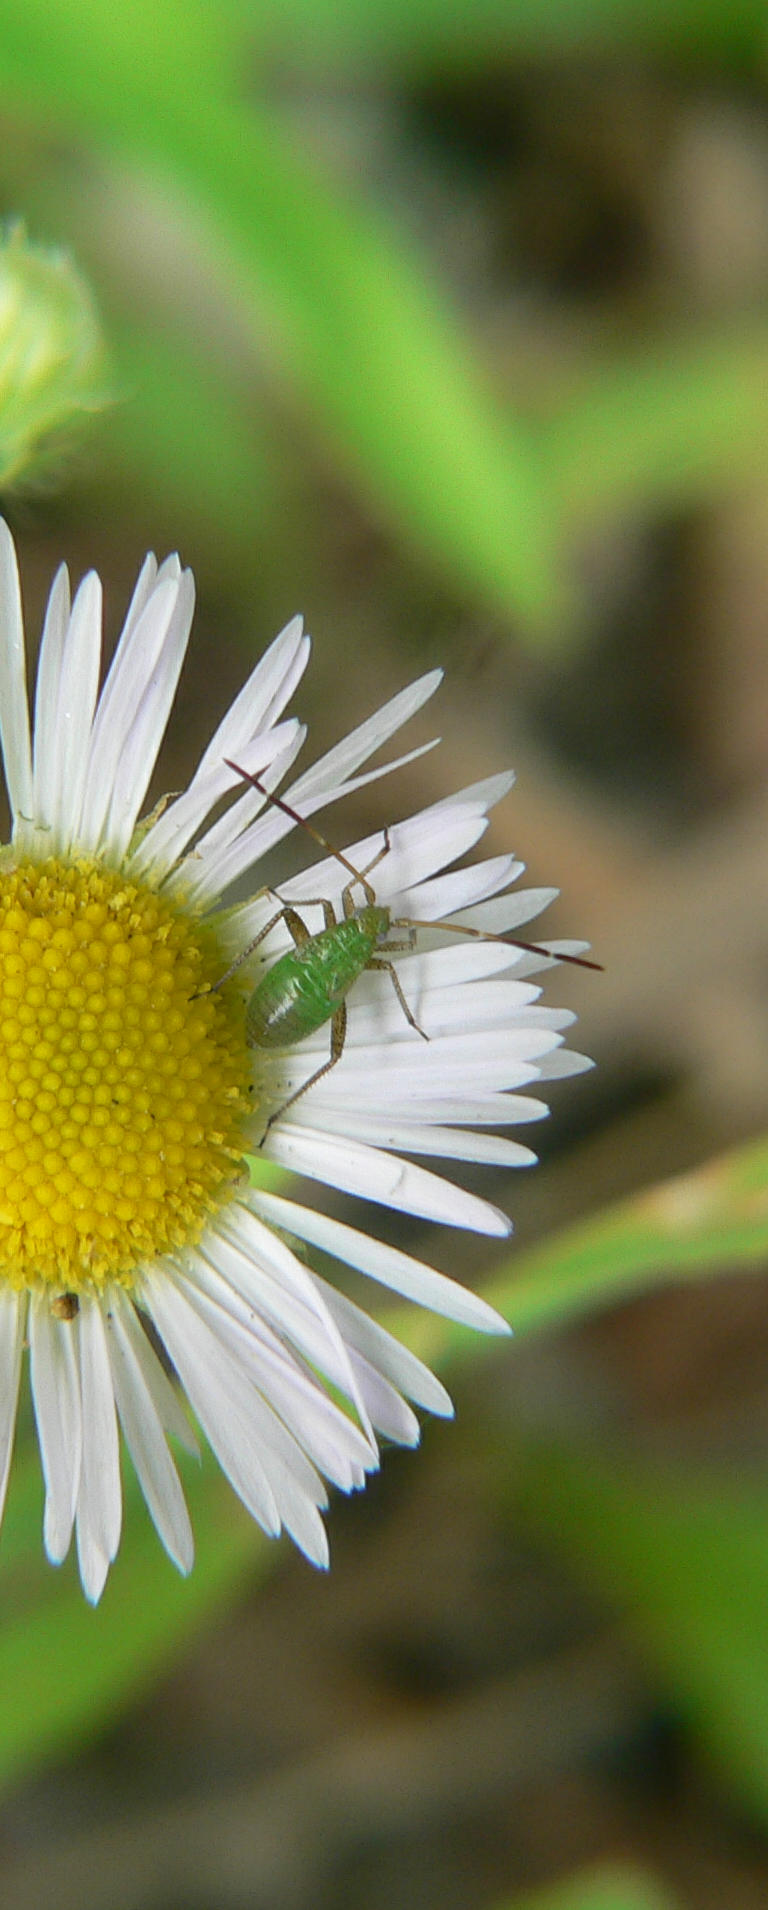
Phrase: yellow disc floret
{"type": "Point", "coordinates": [123, 1079]}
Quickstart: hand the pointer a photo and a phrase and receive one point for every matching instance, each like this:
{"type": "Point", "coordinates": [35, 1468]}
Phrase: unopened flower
{"type": "Point", "coordinates": [52, 360]}
{"type": "Point", "coordinates": [131, 1098]}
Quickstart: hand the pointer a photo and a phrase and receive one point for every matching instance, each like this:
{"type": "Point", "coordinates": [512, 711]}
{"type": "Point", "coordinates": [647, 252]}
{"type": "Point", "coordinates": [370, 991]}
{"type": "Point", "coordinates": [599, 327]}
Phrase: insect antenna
{"type": "Point", "coordinates": [448, 928]}
{"type": "Point", "coordinates": [279, 803]}
{"type": "Point", "coordinates": [507, 941]}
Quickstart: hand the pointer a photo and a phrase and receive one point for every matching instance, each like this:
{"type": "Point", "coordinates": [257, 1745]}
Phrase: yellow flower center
{"type": "Point", "coordinates": [123, 1088]}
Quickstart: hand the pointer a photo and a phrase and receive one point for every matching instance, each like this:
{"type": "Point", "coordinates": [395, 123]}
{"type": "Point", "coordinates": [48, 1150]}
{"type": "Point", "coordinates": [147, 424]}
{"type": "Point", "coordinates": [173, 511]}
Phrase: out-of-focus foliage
{"type": "Point", "coordinates": [51, 353]}
{"type": "Point", "coordinates": [333, 303]}
{"type": "Point", "coordinates": [611, 1887]}
{"type": "Point", "coordinates": [427, 33]}
{"type": "Point", "coordinates": [67, 1669]}
{"type": "Point", "coordinates": [343, 318]}
{"type": "Point", "coordinates": [709, 1222]}
{"type": "Point", "coordinates": [686, 1558]}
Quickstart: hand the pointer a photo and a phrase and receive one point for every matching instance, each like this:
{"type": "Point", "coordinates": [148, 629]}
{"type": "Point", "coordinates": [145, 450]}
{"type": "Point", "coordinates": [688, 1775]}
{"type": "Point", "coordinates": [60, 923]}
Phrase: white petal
{"type": "Point", "coordinates": [276, 750]}
{"type": "Point", "coordinates": [386, 1264]}
{"type": "Point", "coordinates": [382, 1350]}
{"type": "Point", "coordinates": [504, 913]}
{"type": "Point", "coordinates": [351, 784]}
{"type": "Point", "coordinates": [413, 1137]}
{"type": "Point", "coordinates": [150, 577]}
{"type": "Point", "coordinates": [209, 870]}
{"type": "Point", "coordinates": [56, 1396]}
{"type": "Point", "coordinates": [219, 1392]}
{"type": "Point", "coordinates": [13, 1316]}
{"type": "Point", "coordinates": [347, 756]}
{"type": "Point", "coordinates": [474, 958]}
{"type": "Point", "coordinates": [436, 902]}
{"type": "Point", "coordinates": [333, 1442]}
{"type": "Point", "coordinates": [439, 962]}
{"type": "Point", "coordinates": [389, 1412]}
{"type": "Point", "coordinates": [132, 670]}
{"type": "Point", "coordinates": [357, 1083]}
{"type": "Point", "coordinates": [497, 1109]}
{"type": "Point", "coordinates": [489, 791]}
{"type": "Point", "coordinates": [134, 766]}
{"type": "Point", "coordinates": [373, 1176]}
{"type": "Point", "coordinates": [297, 1486]}
{"type": "Point", "coordinates": [416, 849]}
{"type": "Point", "coordinates": [326, 781]}
{"type": "Point", "coordinates": [142, 591]}
{"type": "Point", "coordinates": [143, 1432]}
{"type": "Point", "coordinates": [270, 1278]}
{"type": "Point", "coordinates": [563, 1063]}
{"type": "Point", "coordinates": [148, 584]}
{"type": "Point", "coordinates": [262, 698]}
{"type": "Point", "coordinates": [165, 853]}
{"type": "Point", "coordinates": [565, 946]}
{"type": "Point", "coordinates": [269, 829]}
{"type": "Point", "coordinates": [47, 698]}
{"type": "Point", "coordinates": [379, 1016]}
{"type": "Point", "coordinates": [78, 686]}
{"type": "Point", "coordinates": [485, 1053]}
{"type": "Point", "coordinates": [247, 724]}
{"type": "Point", "coordinates": [14, 708]}
{"type": "Point", "coordinates": [99, 1499]}
{"type": "Point", "coordinates": [162, 1394]}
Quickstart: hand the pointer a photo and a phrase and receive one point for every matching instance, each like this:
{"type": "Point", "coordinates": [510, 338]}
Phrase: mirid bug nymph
{"type": "Point", "coordinates": [308, 986]}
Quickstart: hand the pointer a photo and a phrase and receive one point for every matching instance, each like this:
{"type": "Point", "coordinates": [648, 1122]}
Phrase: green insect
{"type": "Point", "coordinates": [309, 985]}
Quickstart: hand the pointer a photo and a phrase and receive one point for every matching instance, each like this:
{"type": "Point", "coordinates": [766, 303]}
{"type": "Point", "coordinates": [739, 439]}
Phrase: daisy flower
{"type": "Point", "coordinates": [133, 1244]}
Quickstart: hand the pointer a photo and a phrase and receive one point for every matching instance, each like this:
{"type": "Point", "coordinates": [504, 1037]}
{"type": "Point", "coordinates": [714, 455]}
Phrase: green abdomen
{"type": "Point", "coordinates": [305, 987]}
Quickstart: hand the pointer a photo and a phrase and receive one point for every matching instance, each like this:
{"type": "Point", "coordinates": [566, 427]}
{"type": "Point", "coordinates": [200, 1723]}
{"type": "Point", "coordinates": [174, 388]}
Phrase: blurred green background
{"type": "Point", "coordinates": [448, 326]}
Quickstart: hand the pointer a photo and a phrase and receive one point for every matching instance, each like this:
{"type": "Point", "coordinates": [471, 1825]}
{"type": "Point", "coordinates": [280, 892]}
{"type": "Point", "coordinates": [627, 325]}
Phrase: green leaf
{"type": "Point", "coordinates": [67, 1669]}
{"type": "Point", "coordinates": [334, 302]}
{"type": "Point", "coordinates": [605, 1887]}
{"type": "Point", "coordinates": [708, 1222]}
{"type": "Point", "coordinates": [181, 436]}
{"type": "Point", "coordinates": [680, 421]}
{"type": "Point", "coordinates": [686, 1560]}
{"type": "Point", "coordinates": [426, 34]}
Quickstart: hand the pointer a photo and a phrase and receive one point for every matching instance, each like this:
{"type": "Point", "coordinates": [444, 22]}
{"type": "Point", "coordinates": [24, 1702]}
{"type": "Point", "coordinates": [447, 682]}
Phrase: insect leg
{"type": "Point", "coordinates": [338, 1038]}
{"type": "Point", "coordinates": [367, 887]}
{"type": "Point", "coordinates": [378, 962]}
{"type": "Point", "coordinates": [405, 947]}
{"type": "Point", "coordinates": [310, 902]}
{"type": "Point", "coordinates": [296, 929]}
